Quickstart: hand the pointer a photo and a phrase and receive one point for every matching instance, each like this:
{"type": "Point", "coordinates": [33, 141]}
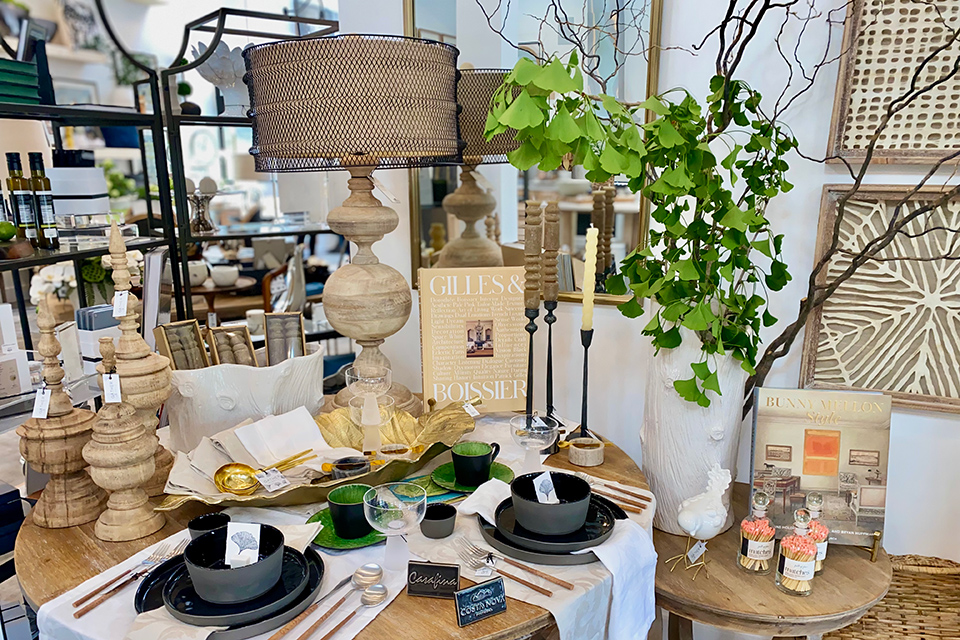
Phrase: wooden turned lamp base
{"type": "Point", "coordinates": [470, 204]}
{"type": "Point", "coordinates": [129, 516]}
{"type": "Point", "coordinates": [68, 500]}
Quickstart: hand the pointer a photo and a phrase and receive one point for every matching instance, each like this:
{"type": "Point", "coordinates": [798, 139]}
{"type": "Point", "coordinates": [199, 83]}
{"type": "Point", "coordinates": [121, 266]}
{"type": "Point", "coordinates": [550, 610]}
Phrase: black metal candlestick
{"type": "Point", "coordinates": [550, 318]}
{"type": "Point", "coordinates": [586, 337]}
{"type": "Point", "coordinates": [530, 328]}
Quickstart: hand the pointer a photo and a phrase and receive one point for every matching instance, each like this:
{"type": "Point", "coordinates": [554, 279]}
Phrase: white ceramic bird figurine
{"type": "Point", "coordinates": [704, 515]}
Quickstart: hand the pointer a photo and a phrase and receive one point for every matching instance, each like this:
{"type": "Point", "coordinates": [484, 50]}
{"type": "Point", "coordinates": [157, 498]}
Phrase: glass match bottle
{"type": "Point", "coordinates": [757, 538]}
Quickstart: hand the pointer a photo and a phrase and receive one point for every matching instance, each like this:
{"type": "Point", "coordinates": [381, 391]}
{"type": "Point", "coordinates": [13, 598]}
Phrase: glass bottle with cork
{"type": "Point", "coordinates": [21, 199]}
{"type": "Point", "coordinates": [757, 538]}
{"type": "Point", "coordinates": [818, 531]}
{"type": "Point", "coordinates": [46, 218]}
{"type": "Point", "coordinates": [798, 555]}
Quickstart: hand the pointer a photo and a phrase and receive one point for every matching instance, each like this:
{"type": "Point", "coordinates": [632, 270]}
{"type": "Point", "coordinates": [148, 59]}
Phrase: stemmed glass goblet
{"type": "Point", "coordinates": [394, 509]}
{"type": "Point", "coordinates": [533, 433]}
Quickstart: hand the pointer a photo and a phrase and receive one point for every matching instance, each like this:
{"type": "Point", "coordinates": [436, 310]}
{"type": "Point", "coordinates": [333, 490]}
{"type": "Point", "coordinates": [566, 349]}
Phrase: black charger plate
{"type": "Point", "coordinates": [496, 540]}
{"type": "Point", "coordinates": [597, 528]}
{"type": "Point", "coordinates": [183, 603]}
{"type": "Point", "coordinates": [150, 596]}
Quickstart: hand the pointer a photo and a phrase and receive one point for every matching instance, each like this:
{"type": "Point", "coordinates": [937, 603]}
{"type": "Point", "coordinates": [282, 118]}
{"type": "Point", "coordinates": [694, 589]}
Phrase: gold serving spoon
{"type": "Point", "coordinates": [241, 480]}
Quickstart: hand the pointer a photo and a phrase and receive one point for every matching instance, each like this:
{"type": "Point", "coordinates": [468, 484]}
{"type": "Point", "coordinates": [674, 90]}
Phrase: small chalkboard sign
{"type": "Point", "coordinates": [433, 580]}
{"type": "Point", "coordinates": [480, 601]}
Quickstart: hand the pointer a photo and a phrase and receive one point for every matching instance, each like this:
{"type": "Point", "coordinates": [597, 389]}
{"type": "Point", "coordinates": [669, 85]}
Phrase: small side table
{"type": "Point", "coordinates": [211, 292]}
{"type": "Point", "coordinates": [725, 596]}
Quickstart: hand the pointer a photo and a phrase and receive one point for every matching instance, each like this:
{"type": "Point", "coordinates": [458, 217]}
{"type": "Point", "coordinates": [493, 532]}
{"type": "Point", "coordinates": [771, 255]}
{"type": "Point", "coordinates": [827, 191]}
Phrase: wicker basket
{"type": "Point", "coordinates": [923, 604]}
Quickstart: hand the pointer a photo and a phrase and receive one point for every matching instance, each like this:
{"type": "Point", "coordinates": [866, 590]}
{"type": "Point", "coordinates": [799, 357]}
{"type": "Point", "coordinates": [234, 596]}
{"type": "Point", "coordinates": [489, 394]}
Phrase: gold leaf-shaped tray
{"type": "Point", "coordinates": [437, 431]}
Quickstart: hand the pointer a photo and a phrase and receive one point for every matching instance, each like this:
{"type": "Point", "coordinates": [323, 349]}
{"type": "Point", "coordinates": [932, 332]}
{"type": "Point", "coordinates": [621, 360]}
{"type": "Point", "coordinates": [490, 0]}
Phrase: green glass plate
{"type": "Point", "coordinates": [445, 477]}
{"type": "Point", "coordinates": [328, 539]}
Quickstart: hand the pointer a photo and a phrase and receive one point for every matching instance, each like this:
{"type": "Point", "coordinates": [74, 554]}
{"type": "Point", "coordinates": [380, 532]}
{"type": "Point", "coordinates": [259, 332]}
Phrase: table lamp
{"type": "Point", "coordinates": [470, 202]}
{"type": "Point", "coordinates": [357, 102]}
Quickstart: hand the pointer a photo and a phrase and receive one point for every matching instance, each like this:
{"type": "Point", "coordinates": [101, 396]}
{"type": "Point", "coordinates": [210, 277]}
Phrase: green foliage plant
{"type": "Point", "coordinates": [712, 259]}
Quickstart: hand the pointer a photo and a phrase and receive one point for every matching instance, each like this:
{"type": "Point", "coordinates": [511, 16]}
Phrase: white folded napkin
{"type": "Point", "coordinates": [160, 624]}
{"type": "Point", "coordinates": [228, 443]}
{"type": "Point", "coordinates": [629, 555]}
{"type": "Point", "coordinates": [184, 479]}
{"type": "Point", "coordinates": [485, 500]}
{"type": "Point", "coordinates": [207, 458]}
{"type": "Point", "coordinates": [277, 437]}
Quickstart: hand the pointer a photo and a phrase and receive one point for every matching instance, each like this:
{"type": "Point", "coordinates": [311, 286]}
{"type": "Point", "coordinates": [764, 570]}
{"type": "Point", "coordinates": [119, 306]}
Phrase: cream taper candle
{"type": "Point", "coordinates": [589, 277]}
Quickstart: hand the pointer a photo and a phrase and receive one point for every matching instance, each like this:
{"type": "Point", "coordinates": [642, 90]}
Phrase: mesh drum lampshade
{"type": "Point", "coordinates": [474, 93]}
{"type": "Point", "coordinates": [470, 203]}
{"type": "Point", "coordinates": [357, 102]}
{"type": "Point", "coordinates": [353, 100]}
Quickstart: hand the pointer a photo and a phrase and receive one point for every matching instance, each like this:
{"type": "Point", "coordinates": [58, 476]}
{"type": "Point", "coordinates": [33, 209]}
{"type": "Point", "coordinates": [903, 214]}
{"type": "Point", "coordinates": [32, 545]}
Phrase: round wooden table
{"type": "Point", "coordinates": [50, 562]}
{"type": "Point", "coordinates": [211, 292]}
{"type": "Point", "coordinates": [725, 596]}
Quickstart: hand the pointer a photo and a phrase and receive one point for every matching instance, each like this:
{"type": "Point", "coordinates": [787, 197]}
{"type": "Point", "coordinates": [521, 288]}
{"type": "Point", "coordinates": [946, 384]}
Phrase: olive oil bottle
{"type": "Point", "coordinates": [21, 199]}
{"type": "Point", "coordinates": [45, 218]}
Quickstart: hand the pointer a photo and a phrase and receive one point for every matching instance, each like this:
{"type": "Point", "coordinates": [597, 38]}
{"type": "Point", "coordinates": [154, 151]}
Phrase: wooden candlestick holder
{"type": "Point", "coordinates": [121, 457]}
{"type": "Point", "coordinates": [54, 445]}
{"type": "Point", "coordinates": [144, 375]}
{"type": "Point", "coordinates": [470, 203]}
{"type": "Point", "coordinates": [367, 300]}
{"type": "Point", "coordinates": [609, 221]}
{"type": "Point", "coordinates": [551, 291]}
{"type": "Point", "coordinates": [532, 247]}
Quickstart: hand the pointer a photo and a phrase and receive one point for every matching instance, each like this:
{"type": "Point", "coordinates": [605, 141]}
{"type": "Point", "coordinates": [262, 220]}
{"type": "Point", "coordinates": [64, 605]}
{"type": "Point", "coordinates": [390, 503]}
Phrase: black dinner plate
{"type": "Point", "coordinates": [183, 603]}
{"type": "Point", "coordinates": [597, 528]}
{"type": "Point", "coordinates": [496, 540]}
{"type": "Point", "coordinates": [150, 596]}
{"type": "Point", "coordinates": [618, 513]}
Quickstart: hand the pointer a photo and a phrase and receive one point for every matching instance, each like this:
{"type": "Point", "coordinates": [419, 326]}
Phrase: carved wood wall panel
{"type": "Point", "coordinates": [894, 326]}
{"type": "Point", "coordinates": [885, 41]}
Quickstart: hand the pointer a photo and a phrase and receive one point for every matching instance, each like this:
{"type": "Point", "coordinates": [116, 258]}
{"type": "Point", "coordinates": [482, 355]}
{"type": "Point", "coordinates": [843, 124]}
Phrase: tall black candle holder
{"type": "Point", "coordinates": [550, 318]}
{"type": "Point", "coordinates": [531, 328]}
{"type": "Point", "coordinates": [586, 337]}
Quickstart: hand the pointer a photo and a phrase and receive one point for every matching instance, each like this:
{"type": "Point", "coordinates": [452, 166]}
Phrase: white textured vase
{"type": "Point", "coordinates": [682, 440]}
{"type": "Point", "coordinates": [236, 100]}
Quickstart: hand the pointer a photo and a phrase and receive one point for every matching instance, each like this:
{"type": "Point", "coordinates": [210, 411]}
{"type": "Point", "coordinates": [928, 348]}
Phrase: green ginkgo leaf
{"type": "Point", "coordinates": [563, 127]}
{"type": "Point", "coordinates": [523, 112]}
{"type": "Point", "coordinates": [667, 135]}
{"type": "Point", "coordinates": [554, 77]}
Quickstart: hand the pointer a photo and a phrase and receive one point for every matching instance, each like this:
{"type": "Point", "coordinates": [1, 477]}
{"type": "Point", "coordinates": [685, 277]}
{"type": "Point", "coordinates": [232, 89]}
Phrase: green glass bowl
{"type": "Point", "coordinates": [445, 477]}
{"type": "Point", "coordinates": [328, 538]}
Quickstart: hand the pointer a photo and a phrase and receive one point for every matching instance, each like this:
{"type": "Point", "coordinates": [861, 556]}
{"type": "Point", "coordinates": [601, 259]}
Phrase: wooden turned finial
{"type": "Point", "coordinates": [532, 247]}
{"type": "Point", "coordinates": [121, 458]}
{"type": "Point", "coordinates": [598, 219]}
{"type": "Point", "coordinates": [551, 249]}
{"type": "Point", "coordinates": [52, 372]}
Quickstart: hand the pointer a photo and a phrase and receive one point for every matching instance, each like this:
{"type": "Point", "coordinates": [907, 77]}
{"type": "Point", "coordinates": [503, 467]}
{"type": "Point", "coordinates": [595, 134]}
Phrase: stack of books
{"type": "Point", "coordinates": [19, 82]}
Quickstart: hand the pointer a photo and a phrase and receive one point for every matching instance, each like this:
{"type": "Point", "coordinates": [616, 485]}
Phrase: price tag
{"type": "Point", "coordinates": [120, 303]}
{"type": "Point", "coordinates": [538, 422]}
{"type": "Point", "coordinates": [111, 388]}
{"type": "Point", "coordinates": [212, 320]}
{"type": "Point", "coordinates": [696, 551]}
{"type": "Point", "coordinates": [546, 493]}
{"type": "Point", "coordinates": [483, 572]}
{"type": "Point", "coordinates": [272, 480]}
{"type": "Point", "coordinates": [42, 403]}
{"type": "Point", "coordinates": [471, 410]}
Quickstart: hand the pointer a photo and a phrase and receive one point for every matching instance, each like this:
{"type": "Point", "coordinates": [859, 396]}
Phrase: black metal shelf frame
{"type": "Point", "coordinates": [76, 116]}
{"type": "Point", "coordinates": [216, 23]}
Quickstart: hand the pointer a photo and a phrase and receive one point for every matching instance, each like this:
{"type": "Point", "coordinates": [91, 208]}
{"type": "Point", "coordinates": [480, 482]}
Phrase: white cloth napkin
{"type": "Point", "coordinates": [276, 437]}
{"type": "Point", "coordinates": [184, 478]}
{"type": "Point", "coordinates": [160, 625]}
{"type": "Point", "coordinates": [207, 458]}
{"type": "Point", "coordinates": [485, 500]}
{"type": "Point", "coordinates": [629, 555]}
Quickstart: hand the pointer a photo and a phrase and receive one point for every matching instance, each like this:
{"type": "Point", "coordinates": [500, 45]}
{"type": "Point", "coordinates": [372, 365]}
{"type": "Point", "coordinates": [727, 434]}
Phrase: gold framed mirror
{"type": "Point", "coordinates": [431, 226]}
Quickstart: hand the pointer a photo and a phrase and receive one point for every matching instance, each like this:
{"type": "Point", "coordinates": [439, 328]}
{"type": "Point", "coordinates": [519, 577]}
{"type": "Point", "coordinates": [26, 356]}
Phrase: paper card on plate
{"type": "Point", "coordinates": [243, 543]}
{"type": "Point", "coordinates": [543, 485]}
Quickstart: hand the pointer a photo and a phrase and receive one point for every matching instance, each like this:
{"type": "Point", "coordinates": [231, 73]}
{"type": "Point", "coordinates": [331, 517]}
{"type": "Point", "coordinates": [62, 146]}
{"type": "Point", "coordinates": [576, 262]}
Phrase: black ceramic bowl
{"type": "Point", "coordinates": [439, 520]}
{"type": "Point", "coordinates": [551, 519]}
{"type": "Point", "coordinates": [206, 523]}
{"type": "Point", "coordinates": [215, 581]}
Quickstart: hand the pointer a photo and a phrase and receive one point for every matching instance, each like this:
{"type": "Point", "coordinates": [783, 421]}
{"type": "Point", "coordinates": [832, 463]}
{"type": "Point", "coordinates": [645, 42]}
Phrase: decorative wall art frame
{"type": "Point", "coordinates": [883, 42]}
{"type": "Point", "coordinates": [864, 458]}
{"type": "Point", "coordinates": [285, 336]}
{"type": "Point", "coordinates": [886, 327]}
{"type": "Point", "coordinates": [231, 345]}
{"type": "Point", "coordinates": [182, 343]}
{"type": "Point", "coordinates": [779, 452]}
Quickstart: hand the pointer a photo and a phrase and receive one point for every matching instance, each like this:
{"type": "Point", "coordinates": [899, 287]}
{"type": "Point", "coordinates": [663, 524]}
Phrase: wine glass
{"type": "Point", "coordinates": [371, 420]}
{"type": "Point", "coordinates": [533, 433]}
{"type": "Point", "coordinates": [393, 509]}
{"type": "Point", "coordinates": [368, 379]}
